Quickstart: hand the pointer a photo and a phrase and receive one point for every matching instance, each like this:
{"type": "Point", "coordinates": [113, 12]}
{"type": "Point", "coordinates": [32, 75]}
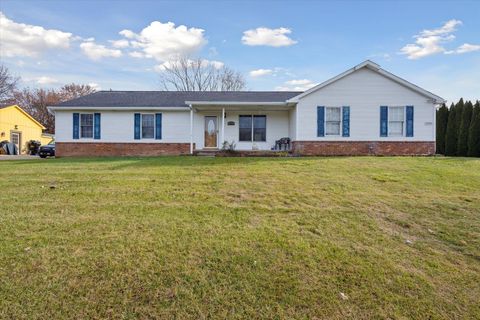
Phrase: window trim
{"type": "Point", "coordinates": [154, 126]}
{"type": "Point", "coordinates": [80, 136]}
{"type": "Point", "coordinates": [252, 127]}
{"type": "Point", "coordinates": [340, 122]}
{"type": "Point", "coordinates": [404, 122]}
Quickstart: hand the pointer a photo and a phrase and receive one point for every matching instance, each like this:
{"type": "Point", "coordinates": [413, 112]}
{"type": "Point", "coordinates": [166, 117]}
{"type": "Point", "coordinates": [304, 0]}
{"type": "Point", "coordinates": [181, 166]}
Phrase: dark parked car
{"type": "Point", "coordinates": [47, 150]}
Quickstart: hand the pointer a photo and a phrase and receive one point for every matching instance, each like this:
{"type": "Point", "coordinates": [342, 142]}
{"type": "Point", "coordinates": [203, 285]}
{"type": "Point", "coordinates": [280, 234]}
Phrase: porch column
{"type": "Point", "coordinates": [191, 129]}
{"type": "Point", "coordinates": [223, 126]}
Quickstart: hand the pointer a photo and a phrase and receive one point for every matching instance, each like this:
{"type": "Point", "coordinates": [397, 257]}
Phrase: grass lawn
{"type": "Point", "coordinates": [196, 238]}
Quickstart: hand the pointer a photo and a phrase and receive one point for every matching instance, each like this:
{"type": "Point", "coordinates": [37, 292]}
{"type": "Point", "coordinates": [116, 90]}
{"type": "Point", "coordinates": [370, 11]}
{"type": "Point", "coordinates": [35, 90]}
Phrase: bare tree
{"type": "Point", "coordinates": [73, 91]}
{"type": "Point", "coordinates": [36, 101]}
{"type": "Point", "coordinates": [8, 84]}
{"type": "Point", "coordinates": [187, 74]}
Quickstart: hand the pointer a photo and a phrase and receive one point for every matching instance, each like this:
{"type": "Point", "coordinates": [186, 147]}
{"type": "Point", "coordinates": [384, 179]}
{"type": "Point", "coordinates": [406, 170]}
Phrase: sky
{"type": "Point", "coordinates": [276, 45]}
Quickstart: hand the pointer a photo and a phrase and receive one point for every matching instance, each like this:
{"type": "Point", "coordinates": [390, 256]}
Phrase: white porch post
{"type": "Point", "coordinates": [223, 126]}
{"type": "Point", "coordinates": [191, 129]}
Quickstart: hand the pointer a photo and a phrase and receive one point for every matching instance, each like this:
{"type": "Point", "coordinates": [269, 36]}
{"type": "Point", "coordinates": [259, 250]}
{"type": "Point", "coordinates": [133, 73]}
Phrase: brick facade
{"type": "Point", "coordinates": [93, 149]}
{"type": "Point", "coordinates": [363, 148]}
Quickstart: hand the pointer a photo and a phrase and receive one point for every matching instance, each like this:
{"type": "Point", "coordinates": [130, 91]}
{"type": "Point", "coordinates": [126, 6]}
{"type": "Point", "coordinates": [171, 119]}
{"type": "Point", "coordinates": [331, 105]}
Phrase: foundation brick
{"type": "Point", "coordinates": [363, 148]}
{"type": "Point", "coordinates": [94, 149]}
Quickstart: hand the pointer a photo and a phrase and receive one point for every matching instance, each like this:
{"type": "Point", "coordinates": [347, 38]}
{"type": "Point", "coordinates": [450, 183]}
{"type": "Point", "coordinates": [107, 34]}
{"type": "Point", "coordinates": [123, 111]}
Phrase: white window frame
{"type": "Point", "coordinates": [154, 126]}
{"type": "Point", "coordinates": [80, 125]}
{"type": "Point", "coordinates": [340, 122]}
{"type": "Point", "coordinates": [404, 122]}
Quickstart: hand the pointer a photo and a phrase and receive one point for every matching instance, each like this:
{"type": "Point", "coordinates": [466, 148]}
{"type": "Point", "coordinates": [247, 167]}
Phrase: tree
{"type": "Point", "coordinates": [442, 118]}
{"type": "Point", "coordinates": [474, 133]}
{"type": "Point", "coordinates": [36, 101]}
{"type": "Point", "coordinates": [73, 91]}
{"type": "Point", "coordinates": [463, 130]}
{"type": "Point", "coordinates": [186, 74]}
{"type": "Point", "coordinates": [451, 133]}
{"type": "Point", "coordinates": [8, 84]}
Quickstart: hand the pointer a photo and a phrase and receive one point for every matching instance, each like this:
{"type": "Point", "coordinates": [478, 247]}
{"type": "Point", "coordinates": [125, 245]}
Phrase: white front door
{"type": "Point", "coordinates": [16, 139]}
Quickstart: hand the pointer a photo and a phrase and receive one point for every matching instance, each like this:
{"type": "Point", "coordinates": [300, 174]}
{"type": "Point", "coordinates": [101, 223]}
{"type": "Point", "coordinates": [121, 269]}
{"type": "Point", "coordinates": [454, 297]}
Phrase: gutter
{"type": "Point", "coordinates": [52, 109]}
{"type": "Point", "coordinates": [236, 103]}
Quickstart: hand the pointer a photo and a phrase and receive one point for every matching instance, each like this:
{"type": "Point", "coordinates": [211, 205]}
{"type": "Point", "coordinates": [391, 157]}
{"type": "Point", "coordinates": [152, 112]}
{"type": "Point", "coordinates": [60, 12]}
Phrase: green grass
{"type": "Point", "coordinates": [197, 238]}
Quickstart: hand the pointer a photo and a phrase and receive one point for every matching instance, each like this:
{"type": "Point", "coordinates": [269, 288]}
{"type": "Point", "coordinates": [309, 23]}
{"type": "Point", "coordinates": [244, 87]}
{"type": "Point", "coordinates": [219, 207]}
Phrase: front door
{"type": "Point", "coordinates": [210, 132]}
{"type": "Point", "coordinates": [15, 138]}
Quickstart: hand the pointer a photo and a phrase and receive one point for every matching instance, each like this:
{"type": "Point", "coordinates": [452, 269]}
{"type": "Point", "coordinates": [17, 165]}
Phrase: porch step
{"type": "Point", "coordinates": [206, 153]}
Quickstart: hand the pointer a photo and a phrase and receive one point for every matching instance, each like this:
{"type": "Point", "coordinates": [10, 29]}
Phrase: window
{"type": "Point", "coordinates": [396, 119]}
{"type": "Point", "coordinates": [333, 121]}
{"type": "Point", "coordinates": [253, 128]}
{"type": "Point", "coordinates": [148, 126]}
{"type": "Point", "coordinates": [86, 125]}
{"type": "Point", "coordinates": [245, 125]}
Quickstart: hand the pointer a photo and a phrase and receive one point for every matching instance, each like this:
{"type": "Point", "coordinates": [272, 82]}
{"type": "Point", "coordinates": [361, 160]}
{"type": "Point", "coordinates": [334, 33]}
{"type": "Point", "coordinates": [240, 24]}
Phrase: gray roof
{"type": "Point", "coordinates": [173, 98]}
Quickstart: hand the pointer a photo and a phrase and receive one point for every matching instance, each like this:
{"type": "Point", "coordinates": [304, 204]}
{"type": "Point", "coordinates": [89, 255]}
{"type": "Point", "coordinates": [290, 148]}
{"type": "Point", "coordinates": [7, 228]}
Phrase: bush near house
{"type": "Point", "coordinates": [254, 238]}
{"type": "Point", "coordinates": [457, 133]}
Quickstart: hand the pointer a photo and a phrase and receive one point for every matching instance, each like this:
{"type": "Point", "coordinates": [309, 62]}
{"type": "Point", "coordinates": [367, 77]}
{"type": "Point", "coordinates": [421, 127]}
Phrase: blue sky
{"type": "Point", "coordinates": [277, 45]}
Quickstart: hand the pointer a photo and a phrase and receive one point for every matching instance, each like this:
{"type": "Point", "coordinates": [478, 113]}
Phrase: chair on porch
{"type": "Point", "coordinates": [282, 144]}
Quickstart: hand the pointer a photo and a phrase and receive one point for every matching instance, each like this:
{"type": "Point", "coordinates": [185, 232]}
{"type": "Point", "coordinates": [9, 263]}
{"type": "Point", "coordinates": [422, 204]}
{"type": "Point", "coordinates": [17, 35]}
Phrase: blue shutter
{"type": "Point", "coordinates": [76, 125]}
{"type": "Point", "coordinates": [137, 126]}
{"type": "Point", "coordinates": [320, 121]}
{"type": "Point", "coordinates": [409, 121]}
{"type": "Point", "coordinates": [346, 121]}
{"type": "Point", "coordinates": [158, 126]}
{"type": "Point", "coordinates": [383, 121]}
{"type": "Point", "coordinates": [96, 126]}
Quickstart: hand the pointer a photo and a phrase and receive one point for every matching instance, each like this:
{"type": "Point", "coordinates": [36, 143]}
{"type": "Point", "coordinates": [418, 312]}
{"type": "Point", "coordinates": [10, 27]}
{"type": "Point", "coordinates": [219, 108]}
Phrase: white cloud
{"type": "Point", "coordinates": [430, 42]}
{"type": "Point", "coordinates": [97, 51]}
{"type": "Point", "coordinates": [122, 43]}
{"type": "Point", "coordinates": [19, 39]}
{"type": "Point", "coordinates": [95, 86]}
{"type": "Point", "coordinates": [464, 48]}
{"type": "Point", "coordinates": [204, 63]}
{"type": "Point", "coordinates": [165, 41]}
{"type": "Point", "coordinates": [296, 85]}
{"type": "Point", "coordinates": [268, 37]}
{"type": "Point", "coordinates": [127, 34]}
{"type": "Point", "coordinates": [46, 80]}
{"type": "Point", "coordinates": [260, 72]}
{"type": "Point", "coordinates": [136, 54]}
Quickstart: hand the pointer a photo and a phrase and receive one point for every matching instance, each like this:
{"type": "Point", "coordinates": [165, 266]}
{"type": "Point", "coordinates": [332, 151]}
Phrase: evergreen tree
{"type": "Point", "coordinates": [441, 130]}
{"type": "Point", "coordinates": [451, 133]}
{"type": "Point", "coordinates": [464, 128]}
{"type": "Point", "coordinates": [474, 133]}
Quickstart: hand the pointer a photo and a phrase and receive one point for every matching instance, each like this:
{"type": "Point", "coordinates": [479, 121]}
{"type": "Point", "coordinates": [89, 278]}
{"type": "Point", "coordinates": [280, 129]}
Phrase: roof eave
{"type": "Point", "coordinates": [237, 103]}
{"type": "Point", "coordinates": [52, 109]}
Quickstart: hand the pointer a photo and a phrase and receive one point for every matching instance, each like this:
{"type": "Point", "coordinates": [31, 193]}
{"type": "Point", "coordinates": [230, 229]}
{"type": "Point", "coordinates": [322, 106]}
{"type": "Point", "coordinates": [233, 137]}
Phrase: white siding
{"type": "Point", "coordinates": [118, 126]}
{"type": "Point", "coordinates": [365, 91]}
{"type": "Point", "coordinates": [277, 127]}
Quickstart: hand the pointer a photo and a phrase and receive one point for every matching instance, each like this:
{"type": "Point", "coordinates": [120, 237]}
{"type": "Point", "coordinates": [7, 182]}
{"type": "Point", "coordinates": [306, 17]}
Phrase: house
{"type": "Point", "coordinates": [365, 110]}
{"type": "Point", "coordinates": [18, 127]}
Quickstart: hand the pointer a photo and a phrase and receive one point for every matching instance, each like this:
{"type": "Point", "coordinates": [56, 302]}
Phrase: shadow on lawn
{"type": "Point", "coordinates": [118, 163]}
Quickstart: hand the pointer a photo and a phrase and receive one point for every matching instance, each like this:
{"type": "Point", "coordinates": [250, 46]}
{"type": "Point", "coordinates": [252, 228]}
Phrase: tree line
{"type": "Point", "coordinates": [36, 100]}
{"type": "Point", "coordinates": [458, 129]}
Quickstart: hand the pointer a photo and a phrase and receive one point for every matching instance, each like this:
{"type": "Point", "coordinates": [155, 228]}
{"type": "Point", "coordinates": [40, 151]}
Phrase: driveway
{"type": "Point", "coordinates": [19, 157]}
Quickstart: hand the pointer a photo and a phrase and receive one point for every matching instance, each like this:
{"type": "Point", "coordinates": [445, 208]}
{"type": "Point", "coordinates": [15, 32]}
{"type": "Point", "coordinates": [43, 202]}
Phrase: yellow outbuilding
{"type": "Point", "coordinates": [19, 127]}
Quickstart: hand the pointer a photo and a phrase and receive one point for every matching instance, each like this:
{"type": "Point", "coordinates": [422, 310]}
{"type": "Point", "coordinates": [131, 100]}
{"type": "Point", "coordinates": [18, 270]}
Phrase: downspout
{"type": "Point", "coordinates": [191, 129]}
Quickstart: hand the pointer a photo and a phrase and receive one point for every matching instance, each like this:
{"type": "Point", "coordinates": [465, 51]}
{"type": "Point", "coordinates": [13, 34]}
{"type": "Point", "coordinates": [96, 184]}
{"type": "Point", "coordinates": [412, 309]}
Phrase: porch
{"type": "Point", "coordinates": [256, 129]}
